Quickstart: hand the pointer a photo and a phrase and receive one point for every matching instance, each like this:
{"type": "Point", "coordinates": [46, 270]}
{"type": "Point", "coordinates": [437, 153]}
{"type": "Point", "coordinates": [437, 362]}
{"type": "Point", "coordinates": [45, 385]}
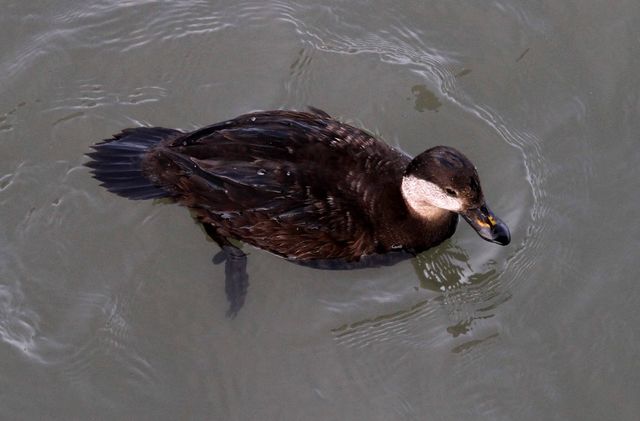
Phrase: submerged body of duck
{"type": "Point", "coordinates": [301, 185]}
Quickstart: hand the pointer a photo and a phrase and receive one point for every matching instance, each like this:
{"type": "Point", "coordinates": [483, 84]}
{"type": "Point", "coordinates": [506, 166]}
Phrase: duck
{"type": "Point", "coordinates": [302, 185]}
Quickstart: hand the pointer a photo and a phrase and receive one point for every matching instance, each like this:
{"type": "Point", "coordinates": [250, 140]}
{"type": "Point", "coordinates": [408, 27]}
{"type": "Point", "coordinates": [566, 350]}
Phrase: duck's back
{"type": "Point", "coordinates": [301, 185]}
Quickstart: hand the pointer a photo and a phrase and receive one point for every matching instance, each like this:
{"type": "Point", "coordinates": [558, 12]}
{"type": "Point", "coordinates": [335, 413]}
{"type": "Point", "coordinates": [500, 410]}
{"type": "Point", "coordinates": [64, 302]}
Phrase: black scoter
{"type": "Point", "coordinates": [301, 185]}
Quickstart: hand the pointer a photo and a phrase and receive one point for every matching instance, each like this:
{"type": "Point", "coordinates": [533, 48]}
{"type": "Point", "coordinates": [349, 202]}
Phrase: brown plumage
{"type": "Point", "coordinates": [298, 184]}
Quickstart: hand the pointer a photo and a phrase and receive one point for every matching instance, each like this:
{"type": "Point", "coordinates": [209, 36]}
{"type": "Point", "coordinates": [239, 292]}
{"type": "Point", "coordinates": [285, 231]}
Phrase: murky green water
{"type": "Point", "coordinates": [112, 309]}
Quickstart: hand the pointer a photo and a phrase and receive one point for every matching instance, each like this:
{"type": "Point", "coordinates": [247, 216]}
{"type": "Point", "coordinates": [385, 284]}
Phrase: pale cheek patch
{"type": "Point", "coordinates": [422, 195]}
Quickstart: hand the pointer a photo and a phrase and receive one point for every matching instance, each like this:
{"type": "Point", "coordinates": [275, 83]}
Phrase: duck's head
{"type": "Point", "coordinates": [442, 179]}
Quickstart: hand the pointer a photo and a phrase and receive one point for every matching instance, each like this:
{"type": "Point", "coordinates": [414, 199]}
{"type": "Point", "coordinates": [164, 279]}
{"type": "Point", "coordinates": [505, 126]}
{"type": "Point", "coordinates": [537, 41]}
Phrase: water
{"type": "Point", "coordinates": [112, 309]}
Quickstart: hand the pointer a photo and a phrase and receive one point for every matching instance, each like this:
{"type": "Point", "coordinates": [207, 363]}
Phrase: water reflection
{"type": "Point", "coordinates": [443, 268]}
{"type": "Point", "coordinates": [18, 324]}
{"type": "Point", "coordinates": [401, 326]}
{"type": "Point", "coordinates": [471, 289]}
{"type": "Point", "coordinates": [467, 292]}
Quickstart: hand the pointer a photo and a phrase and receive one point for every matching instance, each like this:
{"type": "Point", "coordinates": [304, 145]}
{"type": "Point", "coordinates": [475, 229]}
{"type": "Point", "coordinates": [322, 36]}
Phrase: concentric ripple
{"type": "Point", "coordinates": [75, 317]}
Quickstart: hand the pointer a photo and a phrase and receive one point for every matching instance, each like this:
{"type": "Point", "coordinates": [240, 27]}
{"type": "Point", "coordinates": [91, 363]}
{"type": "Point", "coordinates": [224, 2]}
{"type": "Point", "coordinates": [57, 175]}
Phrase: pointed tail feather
{"type": "Point", "coordinates": [117, 162]}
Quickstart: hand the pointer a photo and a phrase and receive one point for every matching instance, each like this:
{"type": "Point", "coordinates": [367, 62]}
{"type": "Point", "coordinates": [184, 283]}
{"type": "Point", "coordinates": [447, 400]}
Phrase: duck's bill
{"type": "Point", "coordinates": [487, 225]}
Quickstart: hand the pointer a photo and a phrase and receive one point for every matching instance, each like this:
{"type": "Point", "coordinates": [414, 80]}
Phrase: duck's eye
{"type": "Point", "coordinates": [451, 192]}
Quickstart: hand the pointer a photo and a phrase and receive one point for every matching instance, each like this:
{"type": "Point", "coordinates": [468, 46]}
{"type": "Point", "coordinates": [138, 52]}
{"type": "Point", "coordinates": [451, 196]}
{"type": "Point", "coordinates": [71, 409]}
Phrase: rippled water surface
{"type": "Point", "coordinates": [112, 309]}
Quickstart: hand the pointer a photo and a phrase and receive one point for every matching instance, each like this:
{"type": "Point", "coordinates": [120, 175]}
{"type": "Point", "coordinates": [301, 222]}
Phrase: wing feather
{"type": "Point", "coordinates": [289, 182]}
